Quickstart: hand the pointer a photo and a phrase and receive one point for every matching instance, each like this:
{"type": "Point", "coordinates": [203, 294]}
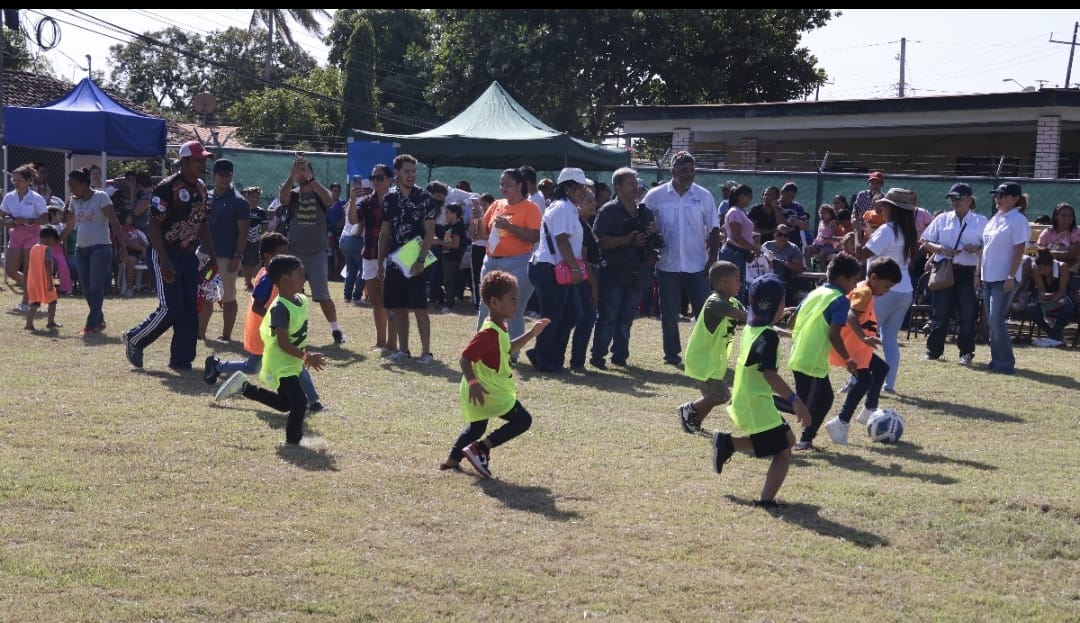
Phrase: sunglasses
{"type": "Point", "coordinates": [955, 199]}
{"type": "Point", "coordinates": [377, 178]}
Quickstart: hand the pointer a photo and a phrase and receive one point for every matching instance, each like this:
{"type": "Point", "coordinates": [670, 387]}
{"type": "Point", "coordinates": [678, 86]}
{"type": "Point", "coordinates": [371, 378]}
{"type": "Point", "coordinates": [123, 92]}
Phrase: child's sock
{"type": "Point", "coordinates": [334, 326]}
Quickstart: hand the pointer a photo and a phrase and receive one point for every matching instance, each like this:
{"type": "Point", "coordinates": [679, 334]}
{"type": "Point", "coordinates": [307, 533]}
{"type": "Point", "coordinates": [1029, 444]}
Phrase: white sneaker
{"type": "Point", "coordinates": [426, 358]}
{"type": "Point", "coordinates": [1052, 343]}
{"type": "Point", "coordinates": [400, 355]}
{"type": "Point", "coordinates": [848, 384]}
{"type": "Point", "coordinates": [965, 360]}
{"type": "Point", "coordinates": [232, 386]}
{"type": "Point", "coordinates": [864, 415]}
{"type": "Point", "coordinates": [838, 431]}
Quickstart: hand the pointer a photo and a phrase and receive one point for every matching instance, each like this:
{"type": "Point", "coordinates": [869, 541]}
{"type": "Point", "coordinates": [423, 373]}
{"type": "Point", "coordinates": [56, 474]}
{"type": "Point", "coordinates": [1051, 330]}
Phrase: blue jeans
{"type": "Point", "coordinates": [672, 286]}
{"type": "Point", "coordinates": [253, 364]}
{"type": "Point", "coordinates": [176, 310]}
{"type": "Point", "coordinates": [352, 247]}
{"type": "Point", "coordinates": [997, 313]}
{"type": "Point", "coordinates": [1065, 314]}
{"type": "Point", "coordinates": [737, 256]}
{"type": "Point", "coordinates": [579, 343]}
{"type": "Point", "coordinates": [518, 266]}
{"type": "Point", "coordinates": [618, 306]}
{"type": "Point", "coordinates": [890, 309]}
{"type": "Point", "coordinates": [94, 266]}
{"type": "Point", "coordinates": [562, 306]}
{"type": "Point", "coordinates": [960, 297]}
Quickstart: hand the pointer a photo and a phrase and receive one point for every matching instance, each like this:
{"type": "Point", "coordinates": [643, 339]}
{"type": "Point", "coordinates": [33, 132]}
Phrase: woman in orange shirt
{"type": "Point", "coordinates": [511, 226]}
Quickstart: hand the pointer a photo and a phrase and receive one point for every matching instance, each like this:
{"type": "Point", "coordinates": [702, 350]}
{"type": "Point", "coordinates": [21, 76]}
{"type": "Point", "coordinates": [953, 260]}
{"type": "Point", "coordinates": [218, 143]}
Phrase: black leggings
{"type": "Point", "coordinates": [817, 394]}
{"type": "Point", "coordinates": [289, 397]}
{"type": "Point", "coordinates": [868, 382]}
{"type": "Point", "coordinates": [517, 419]}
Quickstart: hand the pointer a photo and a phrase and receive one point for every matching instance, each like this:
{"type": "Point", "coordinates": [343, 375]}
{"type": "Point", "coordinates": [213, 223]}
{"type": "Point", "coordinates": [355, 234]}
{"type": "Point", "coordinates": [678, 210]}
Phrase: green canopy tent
{"type": "Point", "coordinates": [495, 132]}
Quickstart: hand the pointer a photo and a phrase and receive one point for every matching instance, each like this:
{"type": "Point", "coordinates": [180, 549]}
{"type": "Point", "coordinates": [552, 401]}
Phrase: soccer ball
{"type": "Point", "coordinates": [885, 426]}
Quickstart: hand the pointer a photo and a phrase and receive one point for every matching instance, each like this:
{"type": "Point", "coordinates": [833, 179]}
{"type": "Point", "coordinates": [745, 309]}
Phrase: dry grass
{"type": "Point", "coordinates": [131, 496]}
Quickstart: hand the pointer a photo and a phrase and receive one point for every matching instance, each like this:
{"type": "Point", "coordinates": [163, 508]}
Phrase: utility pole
{"type": "Point", "coordinates": [1072, 52]}
{"type": "Point", "coordinates": [903, 55]}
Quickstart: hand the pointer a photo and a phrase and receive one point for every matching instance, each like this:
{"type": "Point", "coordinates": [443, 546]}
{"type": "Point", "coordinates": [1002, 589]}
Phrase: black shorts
{"type": "Point", "coordinates": [772, 441]}
{"type": "Point", "coordinates": [251, 254]}
{"type": "Point", "coordinates": [401, 292]}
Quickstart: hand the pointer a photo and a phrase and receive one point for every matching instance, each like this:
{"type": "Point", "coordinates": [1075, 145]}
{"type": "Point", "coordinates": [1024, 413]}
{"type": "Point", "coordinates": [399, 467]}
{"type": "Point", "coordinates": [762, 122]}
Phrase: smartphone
{"type": "Point", "coordinates": [358, 181]}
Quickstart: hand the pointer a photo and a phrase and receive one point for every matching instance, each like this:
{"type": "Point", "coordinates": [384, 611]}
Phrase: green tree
{"type": "Point", "coordinates": [278, 19]}
{"type": "Point", "coordinates": [164, 70]}
{"type": "Point", "coordinates": [17, 55]}
{"type": "Point", "coordinates": [568, 66]}
{"type": "Point", "coordinates": [304, 114]}
{"type": "Point", "coordinates": [402, 64]}
{"type": "Point", "coordinates": [359, 106]}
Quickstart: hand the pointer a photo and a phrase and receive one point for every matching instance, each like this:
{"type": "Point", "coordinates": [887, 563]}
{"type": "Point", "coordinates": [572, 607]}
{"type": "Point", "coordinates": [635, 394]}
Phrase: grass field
{"type": "Point", "coordinates": [130, 495]}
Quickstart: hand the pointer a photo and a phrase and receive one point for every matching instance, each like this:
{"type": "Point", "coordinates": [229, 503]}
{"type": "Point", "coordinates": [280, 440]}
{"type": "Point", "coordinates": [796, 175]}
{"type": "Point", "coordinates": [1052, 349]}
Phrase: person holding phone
{"type": "Point", "coordinates": [306, 202]}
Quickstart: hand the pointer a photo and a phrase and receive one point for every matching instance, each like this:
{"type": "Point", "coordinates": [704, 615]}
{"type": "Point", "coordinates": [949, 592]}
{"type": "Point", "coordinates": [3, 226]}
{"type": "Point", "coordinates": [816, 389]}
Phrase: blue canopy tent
{"type": "Point", "coordinates": [85, 121]}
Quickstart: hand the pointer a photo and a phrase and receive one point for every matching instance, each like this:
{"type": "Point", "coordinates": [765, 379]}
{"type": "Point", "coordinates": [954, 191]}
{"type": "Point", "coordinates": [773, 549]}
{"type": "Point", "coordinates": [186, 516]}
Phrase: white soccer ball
{"type": "Point", "coordinates": [885, 426]}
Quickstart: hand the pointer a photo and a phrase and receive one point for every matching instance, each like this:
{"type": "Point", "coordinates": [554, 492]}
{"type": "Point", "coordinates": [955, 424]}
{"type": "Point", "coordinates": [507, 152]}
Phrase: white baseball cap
{"type": "Point", "coordinates": [574, 174]}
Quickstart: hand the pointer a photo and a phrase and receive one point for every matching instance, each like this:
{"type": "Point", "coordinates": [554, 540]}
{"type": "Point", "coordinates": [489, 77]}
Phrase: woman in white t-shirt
{"type": "Point", "coordinates": [896, 238]}
{"type": "Point", "coordinates": [1005, 238]}
{"type": "Point", "coordinates": [98, 237]}
{"type": "Point", "coordinates": [24, 211]}
{"type": "Point", "coordinates": [561, 236]}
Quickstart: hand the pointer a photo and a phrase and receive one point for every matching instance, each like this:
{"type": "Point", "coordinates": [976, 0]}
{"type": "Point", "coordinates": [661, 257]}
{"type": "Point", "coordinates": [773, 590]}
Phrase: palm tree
{"type": "Point", "coordinates": [272, 19]}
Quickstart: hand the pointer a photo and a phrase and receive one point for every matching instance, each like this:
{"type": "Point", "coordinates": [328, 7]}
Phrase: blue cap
{"type": "Point", "coordinates": [766, 296]}
{"type": "Point", "coordinates": [959, 190]}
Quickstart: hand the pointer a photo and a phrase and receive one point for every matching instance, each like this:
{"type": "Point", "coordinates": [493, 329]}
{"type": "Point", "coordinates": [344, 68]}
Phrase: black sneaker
{"type": "Point", "coordinates": [598, 363]}
{"type": "Point", "coordinates": [771, 505]}
{"type": "Point", "coordinates": [687, 418]}
{"type": "Point", "coordinates": [316, 407]}
{"type": "Point", "coordinates": [722, 449]}
{"type": "Point", "coordinates": [134, 353]}
{"type": "Point", "coordinates": [210, 372]}
{"type": "Point", "coordinates": [477, 453]}
{"type": "Point", "coordinates": [339, 338]}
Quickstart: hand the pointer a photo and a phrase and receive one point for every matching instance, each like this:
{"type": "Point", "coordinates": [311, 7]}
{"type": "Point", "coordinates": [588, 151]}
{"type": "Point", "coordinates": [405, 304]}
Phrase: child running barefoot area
{"type": "Point", "coordinates": [487, 388]}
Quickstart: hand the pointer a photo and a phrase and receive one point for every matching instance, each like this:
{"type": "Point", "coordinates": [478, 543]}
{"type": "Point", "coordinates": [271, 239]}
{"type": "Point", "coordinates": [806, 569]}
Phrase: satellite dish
{"type": "Point", "coordinates": [204, 103]}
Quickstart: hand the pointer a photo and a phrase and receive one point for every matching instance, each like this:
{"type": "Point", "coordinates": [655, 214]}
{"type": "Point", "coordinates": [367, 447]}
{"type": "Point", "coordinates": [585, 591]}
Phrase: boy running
{"type": "Point", "coordinates": [284, 334]}
{"type": "Point", "coordinates": [487, 386]}
{"type": "Point", "coordinates": [817, 324]}
{"type": "Point", "coordinates": [860, 336]}
{"type": "Point", "coordinates": [752, 408]}
{"type": "Point", "coordinates": [709, 348]}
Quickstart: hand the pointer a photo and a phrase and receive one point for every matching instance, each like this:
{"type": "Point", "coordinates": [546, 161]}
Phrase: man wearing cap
{"type": "Point", "coordinates": [306, 201]}
{"type": "Point", "coordinates": [725, 203]}
{"type": "Point", "coordinates": [955, 235]}
{"type": "Point", "coordinates": [179, 220]}
{"type": "Point", "coordinates": [686, 219]}
{"type": "Point", "coordinates": [1005, 238]}
{"type": "Point", "coordinates": [864, 200]}
{"type": "Point", "coordinates": [230, 215]}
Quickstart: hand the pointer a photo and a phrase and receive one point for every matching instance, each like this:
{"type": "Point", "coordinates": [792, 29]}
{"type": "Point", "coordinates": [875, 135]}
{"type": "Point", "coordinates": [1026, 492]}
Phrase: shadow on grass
{"type": "Point", "coordinates": [623, 381]}
{"type": "Point", "coordinates": [857, 463]}
{"type": "Point", "coordinates": [915, 453]}
{"type": "Point", "coordinates": [311, 459]}
{"type": "Point", "coordinates": [808, 516]}
{"type": "Point", "coordinates": [526, 498]}
{"type": "Point", "coordinates": [961, 410]}
{"type": "Point", "coordinates": [342, 357]}
{"type": "Point", "coordinates": [1055, 381]}
{"type": "Point", "coordinates": [186, 382]}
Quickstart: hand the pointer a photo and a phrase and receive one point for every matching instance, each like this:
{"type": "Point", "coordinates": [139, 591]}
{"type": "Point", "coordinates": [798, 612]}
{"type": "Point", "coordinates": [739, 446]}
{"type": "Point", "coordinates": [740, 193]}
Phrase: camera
{"type": "Point", "coordinates": [654, 242]}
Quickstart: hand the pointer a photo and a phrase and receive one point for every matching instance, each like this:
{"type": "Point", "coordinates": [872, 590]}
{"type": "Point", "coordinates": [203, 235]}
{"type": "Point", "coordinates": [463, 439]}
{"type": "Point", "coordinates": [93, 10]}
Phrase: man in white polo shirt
{"type": "Point", "coordinates": [687, 220]}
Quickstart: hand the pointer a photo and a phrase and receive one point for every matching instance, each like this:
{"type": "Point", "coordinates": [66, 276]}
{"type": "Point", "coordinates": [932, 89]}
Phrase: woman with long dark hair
{"type": "Point", "coordinates": [895, 238]}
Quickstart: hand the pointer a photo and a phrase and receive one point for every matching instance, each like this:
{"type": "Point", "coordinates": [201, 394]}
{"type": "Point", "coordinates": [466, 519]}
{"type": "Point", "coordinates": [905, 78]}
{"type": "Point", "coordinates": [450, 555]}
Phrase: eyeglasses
{"type": "Point", "coordinates": [377, 178]}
